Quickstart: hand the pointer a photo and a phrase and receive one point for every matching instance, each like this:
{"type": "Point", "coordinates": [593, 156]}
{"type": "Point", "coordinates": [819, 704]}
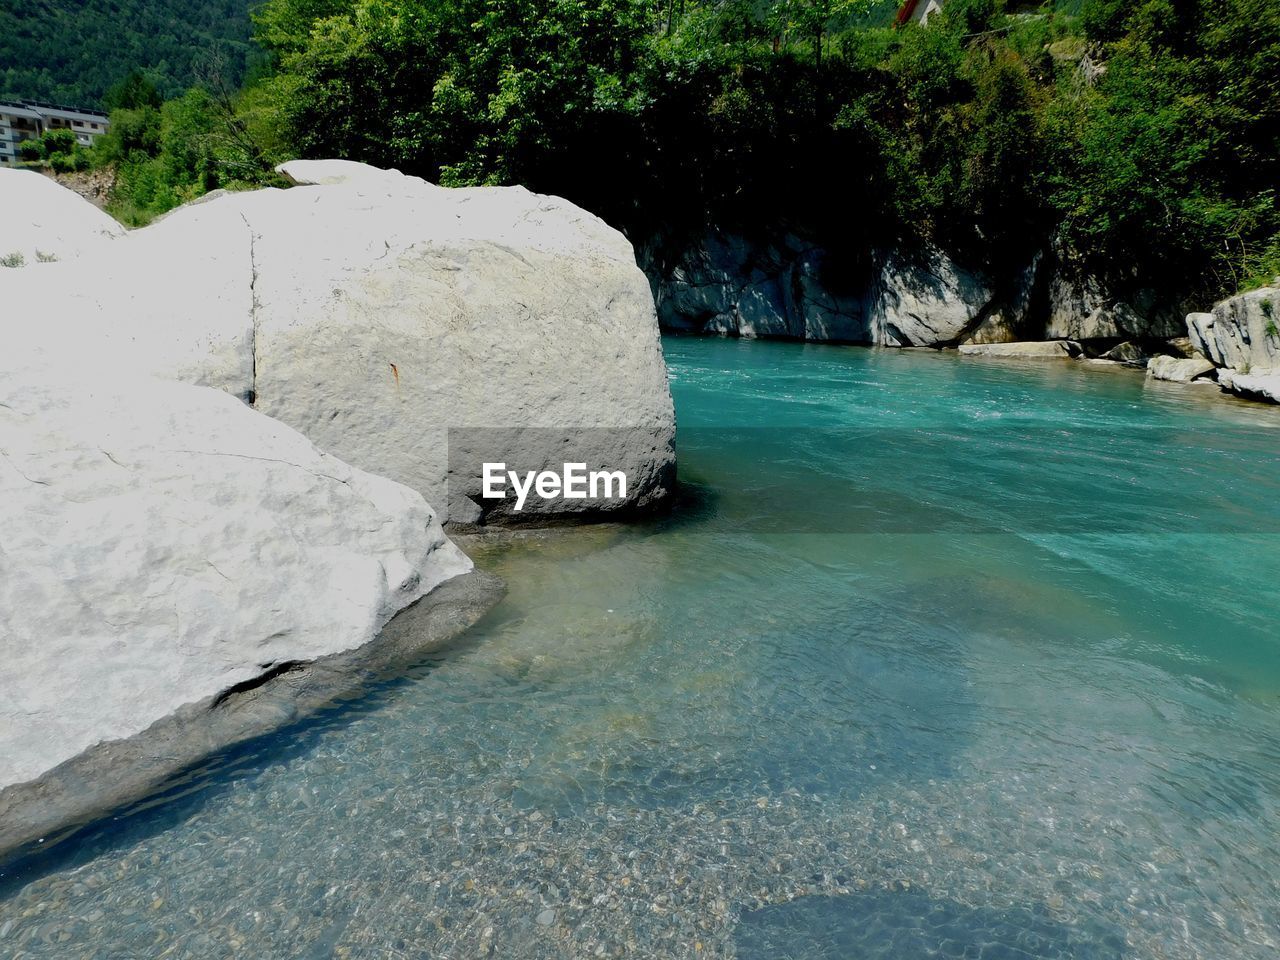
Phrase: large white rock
{"type": "Point", "coordinates": [926, 301]}
{"type": "Point", "coordinates": [1179, 369]}
{"type": "Point", "coordinates": [1242, 332]}
{"type": "Point", "coordinates": [376, 312]}
{"type": "Point", "coordinates": [174, 300]}
{"type": "Point", "coordinates": [1265, 387]}
{"type": "Point", "coordinates": [1024, 350]}
{"type": "Point", "coordinates": [42, 221]}
{"type": "Point", "coordinates": [160, 543]}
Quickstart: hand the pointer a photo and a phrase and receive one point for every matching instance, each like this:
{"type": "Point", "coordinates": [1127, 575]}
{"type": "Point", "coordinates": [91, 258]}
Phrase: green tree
{"type": "Point", "coordinates": [59, 142]}
{"type": "Point", "coordinates": [133, 92]}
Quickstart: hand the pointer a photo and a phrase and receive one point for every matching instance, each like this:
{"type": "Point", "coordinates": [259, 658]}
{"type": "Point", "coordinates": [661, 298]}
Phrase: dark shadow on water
{"type": "Point", "coordinates": [696, 502]}
{"type": "Point", "coordinates": [908, 925]}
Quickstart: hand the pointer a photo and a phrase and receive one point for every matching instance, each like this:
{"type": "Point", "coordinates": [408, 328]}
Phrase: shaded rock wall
{"type": "Point", "coordinates": [791, 287]}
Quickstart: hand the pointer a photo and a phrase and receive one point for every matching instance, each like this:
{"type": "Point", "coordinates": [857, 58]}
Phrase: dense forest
{"type": "Point", "coordinates": [74, 51]}
{"type": "Point", "coordinates": [1142, 135]}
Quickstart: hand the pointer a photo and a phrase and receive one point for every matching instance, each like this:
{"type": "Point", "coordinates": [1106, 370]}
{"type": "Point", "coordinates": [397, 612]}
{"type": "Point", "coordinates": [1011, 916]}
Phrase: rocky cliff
{"type": "Point", "coordinates": [1241, 336]}
{"type": "Point", "coordinates": [729, 284]}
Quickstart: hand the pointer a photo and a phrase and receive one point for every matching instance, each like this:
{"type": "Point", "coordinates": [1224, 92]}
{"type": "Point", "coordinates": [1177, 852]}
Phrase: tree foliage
{"type": "Point", "coordinates": [1144, 136]}
{"type": "Point", "coordinates": [169, 154]}
{"type": "Point", "coordinates": [73, 51]}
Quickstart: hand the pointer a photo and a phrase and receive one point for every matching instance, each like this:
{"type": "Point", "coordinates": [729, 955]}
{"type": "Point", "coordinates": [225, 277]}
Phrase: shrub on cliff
{"type": "Point", "coordinates": [1178, 146]}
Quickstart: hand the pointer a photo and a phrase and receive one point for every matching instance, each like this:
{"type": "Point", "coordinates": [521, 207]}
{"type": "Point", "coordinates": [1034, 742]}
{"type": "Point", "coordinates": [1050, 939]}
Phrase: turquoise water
{"type": "Point", "coordinates": [937, 657]}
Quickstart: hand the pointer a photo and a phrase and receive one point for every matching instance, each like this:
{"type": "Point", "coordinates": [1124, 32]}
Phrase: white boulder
{"type": "Point", "coordinates": [1251, 386]}
{"type": "Point", "coordinates": [163, 543]}
{"type": "Point", "coordinates": [1024, 350]}
{"type": "Point", "coordinates": [375, 313]}
{"type": "Point", "coordinates": [926, 301]}
{"type": "Point", "coordinates": [1178, 369]}
{"type": "Point", "coordinates": [43, 221]}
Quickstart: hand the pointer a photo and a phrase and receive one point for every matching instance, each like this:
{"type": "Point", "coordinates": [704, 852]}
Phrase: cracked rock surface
{"type": "Point", "coordinates": [373, 312]}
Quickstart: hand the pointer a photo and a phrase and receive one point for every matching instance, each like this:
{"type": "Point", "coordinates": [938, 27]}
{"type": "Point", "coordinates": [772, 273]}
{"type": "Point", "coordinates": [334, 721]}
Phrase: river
{"type": "Point", "coordinates": [935, 657]}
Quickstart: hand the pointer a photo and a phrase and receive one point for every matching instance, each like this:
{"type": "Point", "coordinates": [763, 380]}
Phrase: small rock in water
{"type": "Point", "coordinates": [546, 918]}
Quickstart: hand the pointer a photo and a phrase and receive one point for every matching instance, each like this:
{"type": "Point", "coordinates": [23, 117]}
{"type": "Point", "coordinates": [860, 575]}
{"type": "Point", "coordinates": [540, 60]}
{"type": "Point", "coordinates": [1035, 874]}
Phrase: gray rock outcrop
{"type": "Point", "coordinates": [790, 287]}
{"type": "Point", "coordinates": [164, 543]}
{"type": "Point", "coordinates": [1080, 310]}
{"type": "Point", "coordinates": [389, 320]}
{"type": "Point", "coordinates": [1242, 332]}
{"type": "Point", "coordinates": [1081, 306]}
{"type": "Point", "coordinates": [926, 301]}
{"type": "Point", "coordinates": [1241, 338]}
{"type": "Point", "coordinates": [726, 284]}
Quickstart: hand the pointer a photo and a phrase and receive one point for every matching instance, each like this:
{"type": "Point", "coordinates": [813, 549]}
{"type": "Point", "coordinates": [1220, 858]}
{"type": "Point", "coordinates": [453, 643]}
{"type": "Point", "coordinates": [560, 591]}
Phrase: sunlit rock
{"type": "Point", "coordinates": [164, 543]}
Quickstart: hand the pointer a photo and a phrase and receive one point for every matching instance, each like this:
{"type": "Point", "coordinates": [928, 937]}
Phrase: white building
{"type": "Point", "coordinates": [26, 120]}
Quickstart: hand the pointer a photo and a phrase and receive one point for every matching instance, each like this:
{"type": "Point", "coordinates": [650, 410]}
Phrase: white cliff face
{"type": "Point", "coordinates": [43, 222]}
{"type": "Point", "coordinates": [160, 543]}
{"type": "Point", "coordinates": [374, 312]}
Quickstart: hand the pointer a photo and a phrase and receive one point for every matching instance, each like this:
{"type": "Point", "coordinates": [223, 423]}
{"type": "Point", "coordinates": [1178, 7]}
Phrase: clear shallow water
{"type": "Point", "coordinates": [937, 658]}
